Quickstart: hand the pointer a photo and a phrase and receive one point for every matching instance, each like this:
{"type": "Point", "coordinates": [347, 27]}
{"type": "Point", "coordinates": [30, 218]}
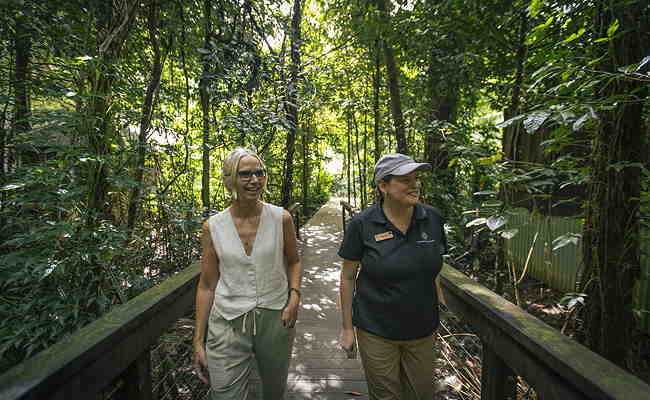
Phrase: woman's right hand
{"type": "Point", "coordinates": [200, 364]}
{"type": "Point", "coordinates": [347, 342]}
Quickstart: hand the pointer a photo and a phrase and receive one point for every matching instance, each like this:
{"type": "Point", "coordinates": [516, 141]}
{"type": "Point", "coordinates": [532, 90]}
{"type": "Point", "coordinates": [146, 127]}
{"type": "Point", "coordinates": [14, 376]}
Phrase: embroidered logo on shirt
{"type": "Point", "coordinates": [425, 236]}
{"type": "Point", "coordinates": [383, 236]}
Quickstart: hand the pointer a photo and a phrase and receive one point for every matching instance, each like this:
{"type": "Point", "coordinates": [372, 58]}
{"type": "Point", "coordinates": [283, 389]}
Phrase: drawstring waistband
{"type": "Point", "coordinates": [254, 311]}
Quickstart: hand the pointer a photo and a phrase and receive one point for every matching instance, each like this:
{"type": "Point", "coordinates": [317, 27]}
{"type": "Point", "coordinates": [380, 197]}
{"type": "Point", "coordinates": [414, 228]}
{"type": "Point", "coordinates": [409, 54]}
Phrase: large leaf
{"type": "Point", "coordinates": [495, 222]}
{"type": "Point", "coordinates": [11, 186]}
{"type": "Point", "coordinates": [475, 222]}
{"type": "Point", "coordinates": [535, 120]}
{"type": "Point", "coordinates": [509, 234]}
{"type": "Point", "coordinates": [564, 240]}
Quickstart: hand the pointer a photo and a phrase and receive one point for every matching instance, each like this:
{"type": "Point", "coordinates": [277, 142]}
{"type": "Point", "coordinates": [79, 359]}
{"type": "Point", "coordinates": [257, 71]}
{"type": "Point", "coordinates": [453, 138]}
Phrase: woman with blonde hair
{"type": "Point", "coordinates": [249, 288]}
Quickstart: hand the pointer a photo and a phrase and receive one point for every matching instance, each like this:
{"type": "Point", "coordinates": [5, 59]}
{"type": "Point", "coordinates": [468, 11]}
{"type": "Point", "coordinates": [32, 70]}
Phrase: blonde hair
{"type": "Point", "coordinates": [231, 166]}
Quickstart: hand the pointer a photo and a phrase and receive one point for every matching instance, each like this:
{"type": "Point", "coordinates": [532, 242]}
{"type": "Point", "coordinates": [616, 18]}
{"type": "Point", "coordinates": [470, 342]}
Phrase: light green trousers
{"type": "Point", "coordinates": [231, 347]}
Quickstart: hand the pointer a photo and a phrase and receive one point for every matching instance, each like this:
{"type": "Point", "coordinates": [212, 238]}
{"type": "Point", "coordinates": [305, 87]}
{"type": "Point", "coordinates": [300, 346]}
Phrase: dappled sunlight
{"type": "Point", "coordinates": [319, 368]}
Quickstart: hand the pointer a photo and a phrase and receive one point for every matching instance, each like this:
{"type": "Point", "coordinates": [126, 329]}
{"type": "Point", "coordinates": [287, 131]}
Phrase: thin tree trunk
{"type": "Point", "coordinates": [348, 164]}
{"type": "Point", "coordinates": [145, 120]}
{"type": "Point", "coordinates": [359, 163]}
{"type": "Point", "coordinates": [364, 175]}
{"type": "Point", "coordinates": [305, 170]}
{"type": "Point", "coordinates": [205, 109]}
{"type": "Point", "coordinates": [611, 233]}
{"type": "Point", "coordinates": [291, 105]}
{"type": "Point", "coordinates": [375, 106]}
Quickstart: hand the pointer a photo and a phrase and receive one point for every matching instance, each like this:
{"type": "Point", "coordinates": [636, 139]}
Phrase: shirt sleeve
{"type": "Point", "coordinates": [352, 245]}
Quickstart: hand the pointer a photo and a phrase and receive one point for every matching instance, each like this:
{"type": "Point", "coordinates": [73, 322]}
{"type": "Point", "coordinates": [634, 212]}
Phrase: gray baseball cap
{"type": "Point", "coordinates": [397, 164]}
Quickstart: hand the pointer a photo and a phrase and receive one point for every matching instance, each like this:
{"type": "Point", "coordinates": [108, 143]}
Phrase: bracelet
{"type": "Point", "coordinates": [295, 290]}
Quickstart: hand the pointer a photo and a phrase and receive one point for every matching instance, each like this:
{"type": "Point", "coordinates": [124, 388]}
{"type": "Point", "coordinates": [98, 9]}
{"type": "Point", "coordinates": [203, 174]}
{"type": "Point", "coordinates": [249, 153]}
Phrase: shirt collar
{"type": "Point", "coordinates": [377, 213]}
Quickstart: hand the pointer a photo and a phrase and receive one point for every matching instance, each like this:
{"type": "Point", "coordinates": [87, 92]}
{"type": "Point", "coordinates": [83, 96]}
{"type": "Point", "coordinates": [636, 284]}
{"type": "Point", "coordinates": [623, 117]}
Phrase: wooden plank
{"type": "Point", "coordinates": [498, 382]}
{"type": "Point", "coordinates": [137, 379]}
{"type": "Point", "coordinates": [315, 373]}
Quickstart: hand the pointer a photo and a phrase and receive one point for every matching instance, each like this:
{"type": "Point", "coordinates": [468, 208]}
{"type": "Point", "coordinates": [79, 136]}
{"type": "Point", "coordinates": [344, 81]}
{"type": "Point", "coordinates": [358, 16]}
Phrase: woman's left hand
{"type": "Point", "coordinates": [290, 315]}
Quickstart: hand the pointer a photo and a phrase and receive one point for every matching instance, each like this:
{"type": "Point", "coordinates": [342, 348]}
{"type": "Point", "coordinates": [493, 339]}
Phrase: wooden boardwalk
{"type": "Point", "coordinates": [319, 368]}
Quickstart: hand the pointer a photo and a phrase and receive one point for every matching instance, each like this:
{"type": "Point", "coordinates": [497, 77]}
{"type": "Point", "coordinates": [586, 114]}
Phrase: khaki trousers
{"type": "Point", "coordinates": [397, 369]}
{"type": "Point", "coordinates": [231, 347]}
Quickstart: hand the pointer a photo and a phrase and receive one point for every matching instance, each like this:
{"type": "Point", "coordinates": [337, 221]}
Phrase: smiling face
{"type": "Point", "coordinates": [402, 189]}
{"type": "Point", "coordinates": [249, 182]}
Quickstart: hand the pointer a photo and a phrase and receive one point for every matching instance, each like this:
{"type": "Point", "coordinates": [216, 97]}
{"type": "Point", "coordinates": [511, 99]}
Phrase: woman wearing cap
{"type": "Point", "coordinates": [249, 289]}
{"type": "Point", "coordinates": [396, 246]}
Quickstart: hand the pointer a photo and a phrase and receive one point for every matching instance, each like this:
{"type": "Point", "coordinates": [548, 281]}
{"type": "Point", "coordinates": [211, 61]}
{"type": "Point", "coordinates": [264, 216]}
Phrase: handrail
{"type": "Point", "coordinates": [117, 344]}
{"type": "Point", "coordinates": [345, 206]}
{"type": "Point", "coordinates": [515, 342]}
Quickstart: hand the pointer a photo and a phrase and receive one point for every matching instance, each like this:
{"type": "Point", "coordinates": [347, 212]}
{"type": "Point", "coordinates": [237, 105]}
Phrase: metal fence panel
{"type": "Point", "coordinates": [559, 269]}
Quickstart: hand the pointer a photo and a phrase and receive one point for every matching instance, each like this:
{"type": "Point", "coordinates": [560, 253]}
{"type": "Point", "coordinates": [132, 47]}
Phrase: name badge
{"type": "Point", "coordinates": [383, 236]}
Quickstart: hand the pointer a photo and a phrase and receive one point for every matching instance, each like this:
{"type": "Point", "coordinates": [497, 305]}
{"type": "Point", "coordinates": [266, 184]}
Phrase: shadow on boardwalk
{"type": "Point", "coordinates": [319, 368]}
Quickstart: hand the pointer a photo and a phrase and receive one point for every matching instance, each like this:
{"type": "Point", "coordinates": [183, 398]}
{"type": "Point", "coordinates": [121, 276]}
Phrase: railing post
{"type": "Point", "coordinates": [137, 379]}
{"type": "Point", "coordinates": [498, 381]}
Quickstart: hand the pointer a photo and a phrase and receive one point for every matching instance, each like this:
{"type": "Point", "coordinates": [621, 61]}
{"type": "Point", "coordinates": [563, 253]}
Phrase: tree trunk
{"type": "Point", "coordinates": [443, 107]}
{"type": "Point", "coordinates": [22, 48]}
{"type": "Point", "coordinates": [611, 232]}
{"type": "Point", "coordinates": [512, 132]}
{"type": "Point", "coordinates": [291, 105]}
{"type": "Point", "coordinates": [113, 24]}
{"type": "Point", "coordinates": [392, 71]}
{"type": "Point", "coordinates": [145, 120]}
{"type": "Point", "coordinates": [205, 109]}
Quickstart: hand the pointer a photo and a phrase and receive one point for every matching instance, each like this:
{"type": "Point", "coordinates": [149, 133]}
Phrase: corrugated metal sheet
{"type": "Point", "coordinates": [559, 268]}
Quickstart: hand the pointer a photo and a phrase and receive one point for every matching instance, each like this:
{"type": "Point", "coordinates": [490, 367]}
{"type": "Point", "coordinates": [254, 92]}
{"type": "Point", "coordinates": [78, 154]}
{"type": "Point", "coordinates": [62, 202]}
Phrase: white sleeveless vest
{"type": "Point", "coordinates": [258, 280]}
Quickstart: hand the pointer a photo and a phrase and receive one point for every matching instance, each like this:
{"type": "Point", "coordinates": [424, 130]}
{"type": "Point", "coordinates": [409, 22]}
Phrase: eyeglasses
{"type": "Point", "coordinates": [247, 174]}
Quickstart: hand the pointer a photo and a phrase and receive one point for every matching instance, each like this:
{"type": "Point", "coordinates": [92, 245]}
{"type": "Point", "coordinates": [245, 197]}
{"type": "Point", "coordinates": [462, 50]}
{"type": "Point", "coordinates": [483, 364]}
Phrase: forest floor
{"type": "Point", "coordinates": [537, 299]}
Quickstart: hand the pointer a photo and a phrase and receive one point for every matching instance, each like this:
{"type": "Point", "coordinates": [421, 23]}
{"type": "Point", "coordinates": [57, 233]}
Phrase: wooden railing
{"type": "Point", "coordinates": [346, 208]}
{"type": "Point", "coordinates": [517, 343]}
{"type": "Point", "coordinates": [114, 347]}
{"type": "Point", "coordinates": [514, 343]}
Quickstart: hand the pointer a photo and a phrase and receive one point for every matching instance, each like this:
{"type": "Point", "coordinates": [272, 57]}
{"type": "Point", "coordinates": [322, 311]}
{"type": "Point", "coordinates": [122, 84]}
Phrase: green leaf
{"type": "Point", "coordinates": [475, 222]}
{"type": "Point", "coordinates": [495, 222]}
{"type": "Point", "coordinates": [565, 240]}
{"type": "Point", "coordinates": [574, 36]}
{"type": "Point", "coordinates": [484, 193]}
{"type": "Point", "coordinates": [535, 120]}
{"type": "Point", "coordinates": [509, 234]}
{"type": "Point", "coordinates": [510, 121]}
{"type": "Point", "coordinates": [535, 7]}
{"type": "Point", "coordinates": [613, 28]}
{"type": "Point", "coordinates": [11, 186]}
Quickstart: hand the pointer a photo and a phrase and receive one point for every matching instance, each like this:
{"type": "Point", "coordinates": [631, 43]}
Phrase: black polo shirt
{"type": "Point", "coordinates": [395, 295]}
